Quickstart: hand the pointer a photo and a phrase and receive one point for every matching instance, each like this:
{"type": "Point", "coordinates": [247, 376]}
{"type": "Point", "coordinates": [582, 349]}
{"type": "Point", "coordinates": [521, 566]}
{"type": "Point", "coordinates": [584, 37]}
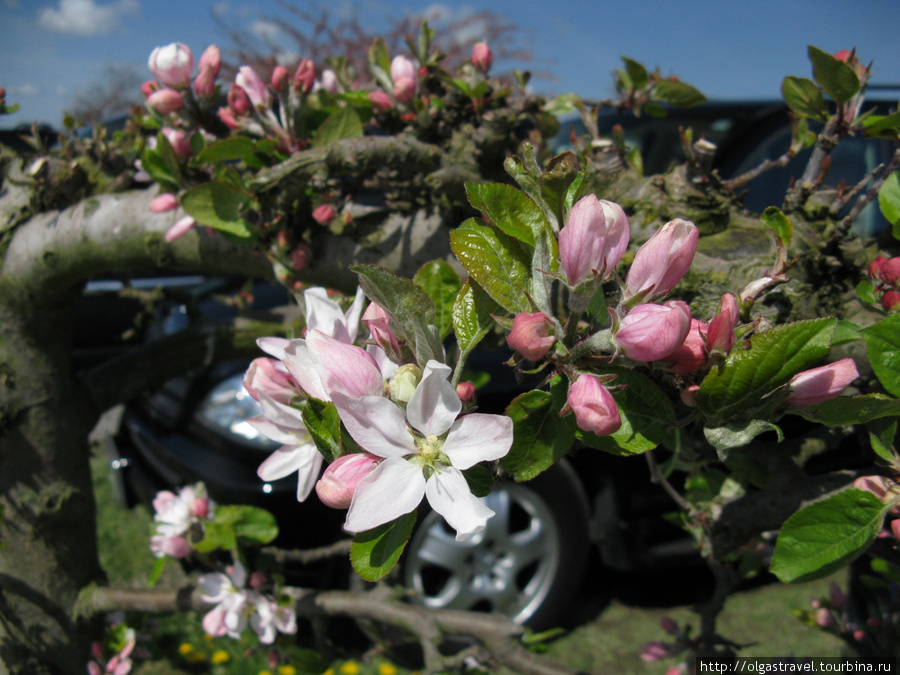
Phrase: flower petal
{"type": "Point", "coordinates": [449, 494]}
{"type": "Point", "coordinates": [435, 404]}
{"type": "Point", "coordinates": [478, 437]}
{"type": "Point", "coordinates": [302, 367]}
{"type": "Point", "coordinates": [393, 489]}
{"type": "Point", "coordinates": [377, 424]}
{"type": "Point", "coordinates": [344, 368]}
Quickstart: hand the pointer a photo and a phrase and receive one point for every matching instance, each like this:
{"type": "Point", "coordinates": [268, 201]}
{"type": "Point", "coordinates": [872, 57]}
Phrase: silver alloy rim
{"type": "Point", "coordinates": [508, 568]}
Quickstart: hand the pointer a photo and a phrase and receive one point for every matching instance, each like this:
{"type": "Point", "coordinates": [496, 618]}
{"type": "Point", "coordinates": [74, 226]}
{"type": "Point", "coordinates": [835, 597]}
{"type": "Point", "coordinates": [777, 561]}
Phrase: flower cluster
{"type": "Point", "coordinates": [884, 274]}
{"type": "Point", "coordinates": [240, 600]}
{"type": "Point", "coordinates": [179, 520]}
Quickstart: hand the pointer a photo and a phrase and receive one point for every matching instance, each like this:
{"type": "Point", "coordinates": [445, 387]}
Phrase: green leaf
{"type": "Point", "coordinates": [480, 480]}
{"type": "Point", "coordinates": [780, 223]}
{"type": "Point", "coordinates": [889, 201]}
{"type": "Point", "coordinates": [882, 126]}
{"type": "Point", "coordinates": [250, 524]}
{"type": "Point", "coordinates": [168, 157]}
{"type": "Point", "coordinates": [845, 333]}
{"type": "Point", "coordinates": [865, 291]}
{"type": "Point", "coordinates": [677, 93]}
{"type": "Point", "coordinates": [153, 163]}
{"type": "Point", "coordinates": [495, 261]}
{"type": "Point", "coordinates": [374, 553]}
{"type": "Point", "coordinates": [218, 206]}
{"type": "Point", "coordinates": [850, 410]}
{"type": "Point", "coordinates": [344, 123]}
{"type": "Point", "coordinates": [803, 97]}
{"type": "Point", "coordinates": [881, 436]}
{"type": "Point", "coordinates": [883, 349]}
{"type": "Point", "coordinates": [218, 535]}
{"type": "Point", "coordinates": [228, 149]}
{"type": "Point", "coordinates": [413, 315]}
{"type": "Point", "coordinates": [198, 143]}
{"type": "Point", "coordinates": [735, 435]}
{"type": "Point", "coordinates": [324, 425]}
{"type": "Point", "coordinates": [511, 210]}
{"type": "Point", "coordinates": [637, 73]}
{"type": "Point", "coordinates": [825, 536]}
{"type": "Point", "coordinates": [472, 315]}
{"type": "Point", "coordinates": [540, 436]}
{"type": "Point", "coordinates": [837, 78]}
{"type": "Point", "coordinates": [441, 283]}
{"type": "Point", "coordinates": [741, 386]}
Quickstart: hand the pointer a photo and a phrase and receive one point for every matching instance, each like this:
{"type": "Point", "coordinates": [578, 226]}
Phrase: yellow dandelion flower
{"type": "Point", "coordinates": [220, 656]}
{"type": "Point", "coordinates": [350, 668]}
{"type": "Point", "coordinates": [287, 670]}
{"type": "Point", "coordinates": [185, 648]}
{"type": "Point", "coordinates": [387, 669]}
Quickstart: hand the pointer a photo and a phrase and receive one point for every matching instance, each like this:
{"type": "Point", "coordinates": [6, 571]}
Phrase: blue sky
{"type": "Point", "coordinates": [729, 49]}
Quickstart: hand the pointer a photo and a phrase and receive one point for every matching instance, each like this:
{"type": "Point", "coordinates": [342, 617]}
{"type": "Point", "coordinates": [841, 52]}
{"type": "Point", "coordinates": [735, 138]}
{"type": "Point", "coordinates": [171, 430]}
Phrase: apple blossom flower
{"type": "Point", "coordinates": [655, 651]}
{"type": "Point", "coordinates": [341, 478]}
{"type": "Point", "coordinates": [227, 592]}
{"type": "Point", "coordinates": [330, 81]}
{"type": "Point", "coordinates": [168, 545]}
{"type": "Point", "coordinates": [404, 89]}
{"type": "Point", "coordinates": [325, 315]}
{"type": "Point", "coordinates": [482, 57]}
{"type": "Point", "coordinates": [425, 451]}
{"type": "Point", "coordinates": [594, 407]}
{"type": "Point", "coordinates": [814, 386]}
{"type": "Point", "coordinates": [272, 378]}
{"type": "Point", "coordinates": [179, 140]}
{"type": "Point", "coordinates": [253, 86]}
{"type": "Point", "coordinates": [172, 65]}
{"type": "Point", "coordinates": [208, 70]}
{"type": "Point", "coordinates": [662, 261]}
{"type": "Point", "coordinates": [593, 240]}
{"type": "Point", "coordinates": [378, 322]}
{"type": "Point", "coordinates": [380, 101]}
{"type": "Point", "coordinates": [531, 335]}
{"type": "Point", "coordinates": [181, 227]}
{"type": "Point", "coordinates": [652, 332]}
{"type": "Point", "coordinates": [165, 101]}
{"type": "Point", "coordinates": [691, 355]}
{"type": "Point", "coordinates": [269, 618]}
{"type": "Point", "coordinates": [174, 516]}
{"type": "Point", "coordinates": [238, 100]}
{"type": "Point", "coordinates": [720, 335]}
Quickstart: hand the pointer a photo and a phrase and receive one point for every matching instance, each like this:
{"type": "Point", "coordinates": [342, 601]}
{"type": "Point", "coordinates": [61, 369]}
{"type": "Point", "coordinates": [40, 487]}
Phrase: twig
{"type": "Point", "coordinates": [742, 181]}
{"type": "Point", "coordinates": [657, 478]}
{"type": "Point", "coordinates": [870, 194]}
{"type": "Point", "coordinates": [308, 556]}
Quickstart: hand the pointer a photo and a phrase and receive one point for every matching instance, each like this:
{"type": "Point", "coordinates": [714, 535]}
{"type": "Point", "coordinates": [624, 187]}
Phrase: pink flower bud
{"type": "Point", "coordinates": [239, 101]}
{"type": "Point", "coordinates": [836, 596]}
{"type": "Point", "coordinates": [404, 89]}
{"type": "Point", "coordinates": [531, 335]}
{"type": "Point", "coordinates": [172, 65]}
{"type": "Point", "coordinates": [482, 57]}
{"type": "Point", "coordinates": [179, 141]}
{"type": "Point", "coordinates": [227, 116]}
{"type": "Point", "coordinates": [378, 322]}
{"type": "Point", "coordinates": [340, 480]}
{"type": "Point", "coordinates": [380, 101]}
{"type": "Point", "coordinates": [721, 337]}
{"type": "Point", "coordinates": [323, 214]}
{"type": "Point", "coordinates": [689, 395]}
{"type": "Point", "coordinates": [890, 300]}
{"type": "Point", "coordinates": [402, 67]}
{"type": "Point", "coordinates": [164, 202]}
{"type": "Point", "coordinates": [594, 407]}
{"type": "Point", "coordinates": [149, 87]}
{"type": "Point", "coordinates": [180, 228]}
{"type": "Point", "coordinates": [175, 547]}
{"type": "Point", "coordinates": [200, 507]}
{"type": "Point", "coordinates": [305, 77]}
{"type": "Point", "coordinates": [255, 88]}
{"type": "Point", "coordinates": [652, 332]}
{"type": "Point", "coordinates": [465, 391]}
{"type": "Point", "coordinates": [824, 618]}
{"type": "Point", "coordinates": [890, 272]}
{"type": "Point", "coordinates": [875, 268]}
{"type": "Point", "coordinates": [593, 240]}
{"type": "Point", "coordinates": [330, 81]}
{"type": "Point", "coordinates": [165, 101]}
{"type": "Point", "coordinates": [300, 256]}
{"type": "Point", "coordinates": [654, 651]}
{"type": "Point", "coordinates": [271, 378]}
{"type": "Point", "coordinates": [820, 384]}
{"type": "Point", "coordinates": [691, 355]}
{"type": "Point", "coordinates": [280, 78]}
{"type": "Point", "coordinates": [257, 580]}
{"type": "Point", "coordinates": [211, 59]}
{"type": "Point", "coordinates": [662, 261]}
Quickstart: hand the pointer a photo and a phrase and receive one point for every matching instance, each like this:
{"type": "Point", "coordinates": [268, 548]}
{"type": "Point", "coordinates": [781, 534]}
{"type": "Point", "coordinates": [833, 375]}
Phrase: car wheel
{"type": "Point", "coordinates": [527, 564]}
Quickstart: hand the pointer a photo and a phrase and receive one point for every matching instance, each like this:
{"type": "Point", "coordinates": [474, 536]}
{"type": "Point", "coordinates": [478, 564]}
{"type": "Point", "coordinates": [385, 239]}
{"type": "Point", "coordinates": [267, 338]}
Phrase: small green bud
{"type": "Point", "coordinates": [404, 382]}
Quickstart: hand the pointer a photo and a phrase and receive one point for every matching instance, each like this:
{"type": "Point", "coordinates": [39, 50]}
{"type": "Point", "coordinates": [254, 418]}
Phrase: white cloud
{"type": "Point", "coordinates": [85, 17]}
{"type": "Point", "coordinates": [267, 31]}
{"type": "Point", "coordinates": [23, 90]}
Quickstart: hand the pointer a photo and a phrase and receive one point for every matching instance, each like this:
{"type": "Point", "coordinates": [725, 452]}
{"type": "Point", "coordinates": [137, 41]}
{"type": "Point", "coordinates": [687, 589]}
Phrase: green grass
{"type": "Point", "coordinates": [608, 639]}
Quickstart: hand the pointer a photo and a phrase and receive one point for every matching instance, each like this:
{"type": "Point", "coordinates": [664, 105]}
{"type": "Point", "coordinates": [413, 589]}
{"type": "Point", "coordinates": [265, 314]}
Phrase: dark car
{"type": "Point", "coordinates": [530, 561]}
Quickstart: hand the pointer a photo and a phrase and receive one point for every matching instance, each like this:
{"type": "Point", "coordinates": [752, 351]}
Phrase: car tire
{"type": "Point", "coordinates": [527, 564]}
